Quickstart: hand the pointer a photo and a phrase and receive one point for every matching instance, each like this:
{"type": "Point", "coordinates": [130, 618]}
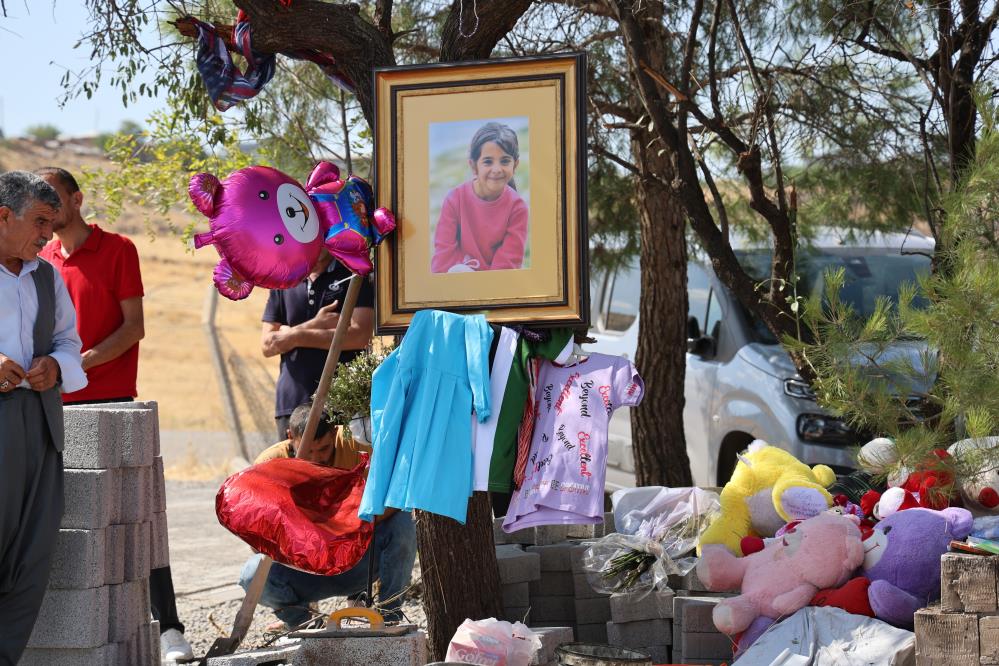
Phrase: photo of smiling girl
{"type": "Point", "coordinates": [483, 222]}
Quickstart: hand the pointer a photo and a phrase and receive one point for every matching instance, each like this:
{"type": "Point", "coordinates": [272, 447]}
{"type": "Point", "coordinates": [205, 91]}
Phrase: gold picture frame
{"type": "Point", "coordinates": [464, 242]}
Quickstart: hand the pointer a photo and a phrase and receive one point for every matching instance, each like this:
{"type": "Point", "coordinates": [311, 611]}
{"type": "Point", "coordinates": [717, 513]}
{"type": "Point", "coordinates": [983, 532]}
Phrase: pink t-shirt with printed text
{"type": "Point", "coordinates": [567, 464]}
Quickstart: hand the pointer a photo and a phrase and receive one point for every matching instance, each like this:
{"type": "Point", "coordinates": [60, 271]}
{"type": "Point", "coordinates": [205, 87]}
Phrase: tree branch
{"type": "Point", "coordinates": [383, 18]}
{"type": "Point", "coordinates": [489, 22]}
{"type": "Point", "coordinates": [628, 166]}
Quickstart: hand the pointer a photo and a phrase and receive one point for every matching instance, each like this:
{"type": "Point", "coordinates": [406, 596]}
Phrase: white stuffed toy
{"type": "Point", "coordinates": [979, 492]}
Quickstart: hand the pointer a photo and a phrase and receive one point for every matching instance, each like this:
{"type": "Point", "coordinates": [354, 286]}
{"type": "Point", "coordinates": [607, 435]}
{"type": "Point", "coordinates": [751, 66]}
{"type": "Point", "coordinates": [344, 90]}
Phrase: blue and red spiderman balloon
{"type": "Point", "coordinates": [269, 230]}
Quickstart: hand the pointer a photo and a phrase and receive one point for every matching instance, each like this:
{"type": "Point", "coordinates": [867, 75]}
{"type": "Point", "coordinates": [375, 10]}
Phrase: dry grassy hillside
{"type": "Point", "coordinates": [175, 368]}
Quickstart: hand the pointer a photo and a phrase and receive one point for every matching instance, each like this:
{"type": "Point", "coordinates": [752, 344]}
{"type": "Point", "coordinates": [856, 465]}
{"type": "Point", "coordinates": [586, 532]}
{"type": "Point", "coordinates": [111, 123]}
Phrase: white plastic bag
{"type": "Point", "coordinates": [493, 642]}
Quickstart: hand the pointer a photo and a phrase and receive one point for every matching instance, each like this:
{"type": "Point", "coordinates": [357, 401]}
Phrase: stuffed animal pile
{"type": "Point", "coordinates": [878, 559]}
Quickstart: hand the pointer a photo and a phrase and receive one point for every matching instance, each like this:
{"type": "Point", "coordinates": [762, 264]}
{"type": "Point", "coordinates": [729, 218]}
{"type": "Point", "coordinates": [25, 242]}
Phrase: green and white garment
{"type": "Point", "coordinates": [495, 441]}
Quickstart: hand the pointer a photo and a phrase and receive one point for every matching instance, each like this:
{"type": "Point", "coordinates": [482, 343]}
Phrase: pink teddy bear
{"type": "Point", "coordinates": [820, 552]}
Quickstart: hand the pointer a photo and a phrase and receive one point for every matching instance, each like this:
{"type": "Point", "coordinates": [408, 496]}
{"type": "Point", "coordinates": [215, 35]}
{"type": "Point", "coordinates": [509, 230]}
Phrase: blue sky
{"type": "Point", "coordinates": [36, 48]}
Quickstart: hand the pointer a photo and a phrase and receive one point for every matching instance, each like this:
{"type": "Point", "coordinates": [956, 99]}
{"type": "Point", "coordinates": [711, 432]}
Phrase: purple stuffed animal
{"type": "Point", "coordinates": [902, 560]}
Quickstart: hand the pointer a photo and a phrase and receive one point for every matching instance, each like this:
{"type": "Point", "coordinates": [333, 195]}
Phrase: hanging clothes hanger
{"type": "Point", "coordinates": [577, 356]}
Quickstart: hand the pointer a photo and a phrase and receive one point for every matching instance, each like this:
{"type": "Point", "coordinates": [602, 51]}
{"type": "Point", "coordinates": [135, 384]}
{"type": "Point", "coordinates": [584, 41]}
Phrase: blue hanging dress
{"type": "Point", "coordinates": [422, 398]}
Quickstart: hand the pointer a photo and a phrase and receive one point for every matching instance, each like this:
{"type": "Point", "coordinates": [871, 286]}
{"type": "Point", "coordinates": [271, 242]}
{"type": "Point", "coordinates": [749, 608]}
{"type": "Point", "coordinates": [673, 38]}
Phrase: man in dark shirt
{"type": "Point", "coordinates": [299, 323]}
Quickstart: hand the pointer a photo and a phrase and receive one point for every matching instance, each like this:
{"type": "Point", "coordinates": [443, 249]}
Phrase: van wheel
{"type": "Point", "coordinates": [728, 455]}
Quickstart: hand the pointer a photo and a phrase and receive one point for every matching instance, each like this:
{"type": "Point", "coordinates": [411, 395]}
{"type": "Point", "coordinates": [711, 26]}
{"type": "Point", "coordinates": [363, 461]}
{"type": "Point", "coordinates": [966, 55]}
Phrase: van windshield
{"type": "Point", "coordinates": [869, 273]}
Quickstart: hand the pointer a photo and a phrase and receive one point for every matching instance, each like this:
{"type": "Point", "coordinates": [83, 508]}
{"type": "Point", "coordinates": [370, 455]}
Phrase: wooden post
{"type": "Point", "coordinates": [245, 615]}
{"type": "Point", "coordinates": [332, 359]}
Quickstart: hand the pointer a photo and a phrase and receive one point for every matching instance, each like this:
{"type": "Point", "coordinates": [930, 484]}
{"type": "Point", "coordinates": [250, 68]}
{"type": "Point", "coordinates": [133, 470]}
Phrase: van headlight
{"type": "Point", "coordinates": [824, 429]}
{"type": "Point", "coordinates": [797, 388]}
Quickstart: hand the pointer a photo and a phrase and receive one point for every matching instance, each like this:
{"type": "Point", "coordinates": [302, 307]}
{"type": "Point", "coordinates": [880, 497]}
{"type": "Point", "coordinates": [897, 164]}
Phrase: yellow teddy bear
{"type": "Point", "coordinates": [768, 489]}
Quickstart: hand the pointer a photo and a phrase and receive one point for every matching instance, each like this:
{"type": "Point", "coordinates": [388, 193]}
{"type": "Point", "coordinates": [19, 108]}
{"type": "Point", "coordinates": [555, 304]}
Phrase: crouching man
{"type": "Point", "coordinates": [293, 594]}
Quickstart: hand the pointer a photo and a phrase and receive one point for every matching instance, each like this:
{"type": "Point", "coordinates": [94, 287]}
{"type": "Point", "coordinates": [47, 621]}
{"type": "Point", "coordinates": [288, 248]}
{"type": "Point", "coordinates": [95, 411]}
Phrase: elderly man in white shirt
{"type": "Point", "coordinates": [39, 357]}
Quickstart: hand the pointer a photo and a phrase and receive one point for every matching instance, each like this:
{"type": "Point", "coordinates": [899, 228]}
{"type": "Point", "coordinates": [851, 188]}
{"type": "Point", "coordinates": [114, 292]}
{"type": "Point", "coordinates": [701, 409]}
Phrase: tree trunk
{"type": "Point", "coordinates": [657, 424]}
{"type": "Point", "coordinates": [460, 575]}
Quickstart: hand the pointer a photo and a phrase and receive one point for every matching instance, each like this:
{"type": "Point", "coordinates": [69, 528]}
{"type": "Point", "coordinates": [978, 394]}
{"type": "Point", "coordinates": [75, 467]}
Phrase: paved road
{"type": "Point", "coordinates": [204, 556]}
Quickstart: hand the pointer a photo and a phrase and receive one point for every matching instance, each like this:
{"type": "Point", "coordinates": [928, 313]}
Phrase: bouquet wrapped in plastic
{"type": "Point", "coordinates": [656, 538]}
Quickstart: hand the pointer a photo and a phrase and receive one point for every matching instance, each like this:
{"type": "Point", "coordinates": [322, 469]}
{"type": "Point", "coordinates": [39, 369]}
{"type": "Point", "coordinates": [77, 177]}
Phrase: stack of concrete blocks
{"type": "Point", "coordinates": [695, 638]}
{"type": "Point", "coordinates": [964, 629]}
{"type": "Point", "coordinates": [96, 608]}
{"type": "Point", "coordinates": [543, 581]}
{"type": "Point", "coordinates": [517, 570]}
{"type": "Point", "coordinates": [642, 621]}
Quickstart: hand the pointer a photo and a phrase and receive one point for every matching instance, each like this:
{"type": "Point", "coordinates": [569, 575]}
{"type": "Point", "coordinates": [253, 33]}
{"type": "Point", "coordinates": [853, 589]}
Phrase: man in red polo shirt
{"type": "Point", "coordinates": [101, 272]}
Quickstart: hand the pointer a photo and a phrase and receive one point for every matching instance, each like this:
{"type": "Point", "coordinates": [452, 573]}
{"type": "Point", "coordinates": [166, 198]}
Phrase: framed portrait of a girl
{"type": "Point", "coordinates": [484, 166]}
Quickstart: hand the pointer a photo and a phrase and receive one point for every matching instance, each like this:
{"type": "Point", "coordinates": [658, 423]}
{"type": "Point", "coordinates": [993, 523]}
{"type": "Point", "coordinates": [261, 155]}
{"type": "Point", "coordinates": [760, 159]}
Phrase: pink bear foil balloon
{"type": "Point", "coordinates": [269, 230]}
{"type": "Point", "coordinates": [263, 225]}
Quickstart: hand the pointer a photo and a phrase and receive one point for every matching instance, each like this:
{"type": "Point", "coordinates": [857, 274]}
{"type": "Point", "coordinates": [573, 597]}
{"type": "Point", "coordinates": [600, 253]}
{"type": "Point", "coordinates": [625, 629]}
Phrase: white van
{"type": "Point", "coordinates": [740, 384]}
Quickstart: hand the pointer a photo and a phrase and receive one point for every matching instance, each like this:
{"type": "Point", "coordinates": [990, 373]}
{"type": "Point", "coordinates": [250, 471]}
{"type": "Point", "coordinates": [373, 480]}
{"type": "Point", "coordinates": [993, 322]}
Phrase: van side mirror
{"type": "Point", "coordinates": [696, 343]}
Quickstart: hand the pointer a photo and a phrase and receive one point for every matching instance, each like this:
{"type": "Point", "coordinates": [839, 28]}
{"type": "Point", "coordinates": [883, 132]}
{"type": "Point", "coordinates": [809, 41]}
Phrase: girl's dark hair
{"type": "Point", "coordinates": [500, 134]}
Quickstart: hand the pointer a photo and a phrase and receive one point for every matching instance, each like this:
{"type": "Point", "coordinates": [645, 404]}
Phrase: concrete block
{"type": "Point", "coordinates": [135, 430]}
{"type": "Point", "coordinates": [535, 626]}
{"type": "Point", "coordinates": [551, 638]}
{"type": "Point", "coordinates": [545, 535]}
{"type": "Point", "coordinates": [661, 654]}
{"type": "Point", "coordinates": [159, 486]}
{"type": "Point", "coordinates": [103, 655]}
{"type": "Point", "coordinates": [553, 583]}
{"type": "Point", "coordinates": [553, 609]}
{"type": "Point", "coordinates": [582, 589]}
{"type": "Point", "coordinates": [635, 606]}
{"type": "Point", "coordinates": [154, 641]}
{"type": "Point", "coordinates": [137, 551]}
{"type": "Point", "coordinates": [114, 549]}
{"type": "Point", "coordinates": [988, 639]}
{"type": "Point", "coordinates": [90, 439]}
{"type": "Point", "coordinates": [713, 645]}
{"type": "Point", "coordinates": [516, 566]}
{"type": "Point", "coordinates": [967, 583]}
{"type": "Point", "coordinates": [116, 497]}
{"type": "Point", "coordinates": [79, 561]}
{"type": "Point", "coordinates": [127, 611]}
{"type": "Point", "coordinates": [946, 639]}
{"type": "Point", "coordinates": [554, 557]}
{"type": "Point", "coordinates": [689, 582]}
{"type": "Point", "coordinates": [89, 498]}
{"type": "Point", "coordinates": [408, 650]}
{"type": "Point", "coordinates": [159, 545]}
{"type": "Point", "coordinates": [517, 594]}
{"type": "Point", "coordinates": [585, 531]}
{"type": "Point", "coordinates": [643, 632]}
{"type": "Point", "coordinates": [72, 619]}
{"type": "Point", "coordinates": [593, 611]}
{"type": "Point", "coordinates": [136, 494]}
{"type": "Point", "coordinates": [268, 655]}
{"type": "Point", "coordinates": [693, 614]}
{"type": "Point", "coordinates": [144, 647]}
{"type": "Point", "coordinates": [576, 555]}
{"type": "Point", "coordinates": [592, 633]}
{"type": "Point", "coordinates": [524, 536]}
{"type": "Point", "coordinates": [517, 614]}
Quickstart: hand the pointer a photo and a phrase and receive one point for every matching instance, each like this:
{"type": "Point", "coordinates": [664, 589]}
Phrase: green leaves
{"type": "Point", "coordinates": [950, 389]}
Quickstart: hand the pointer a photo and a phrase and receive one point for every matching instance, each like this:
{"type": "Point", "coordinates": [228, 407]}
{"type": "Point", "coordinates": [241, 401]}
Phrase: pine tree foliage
{"type": "Point", "coordinates": [949, 388]}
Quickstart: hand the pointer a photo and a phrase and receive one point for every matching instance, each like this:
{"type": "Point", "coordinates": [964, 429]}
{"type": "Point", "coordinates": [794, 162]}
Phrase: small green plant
{"type": "Point", "coordinates": [350, 391]}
